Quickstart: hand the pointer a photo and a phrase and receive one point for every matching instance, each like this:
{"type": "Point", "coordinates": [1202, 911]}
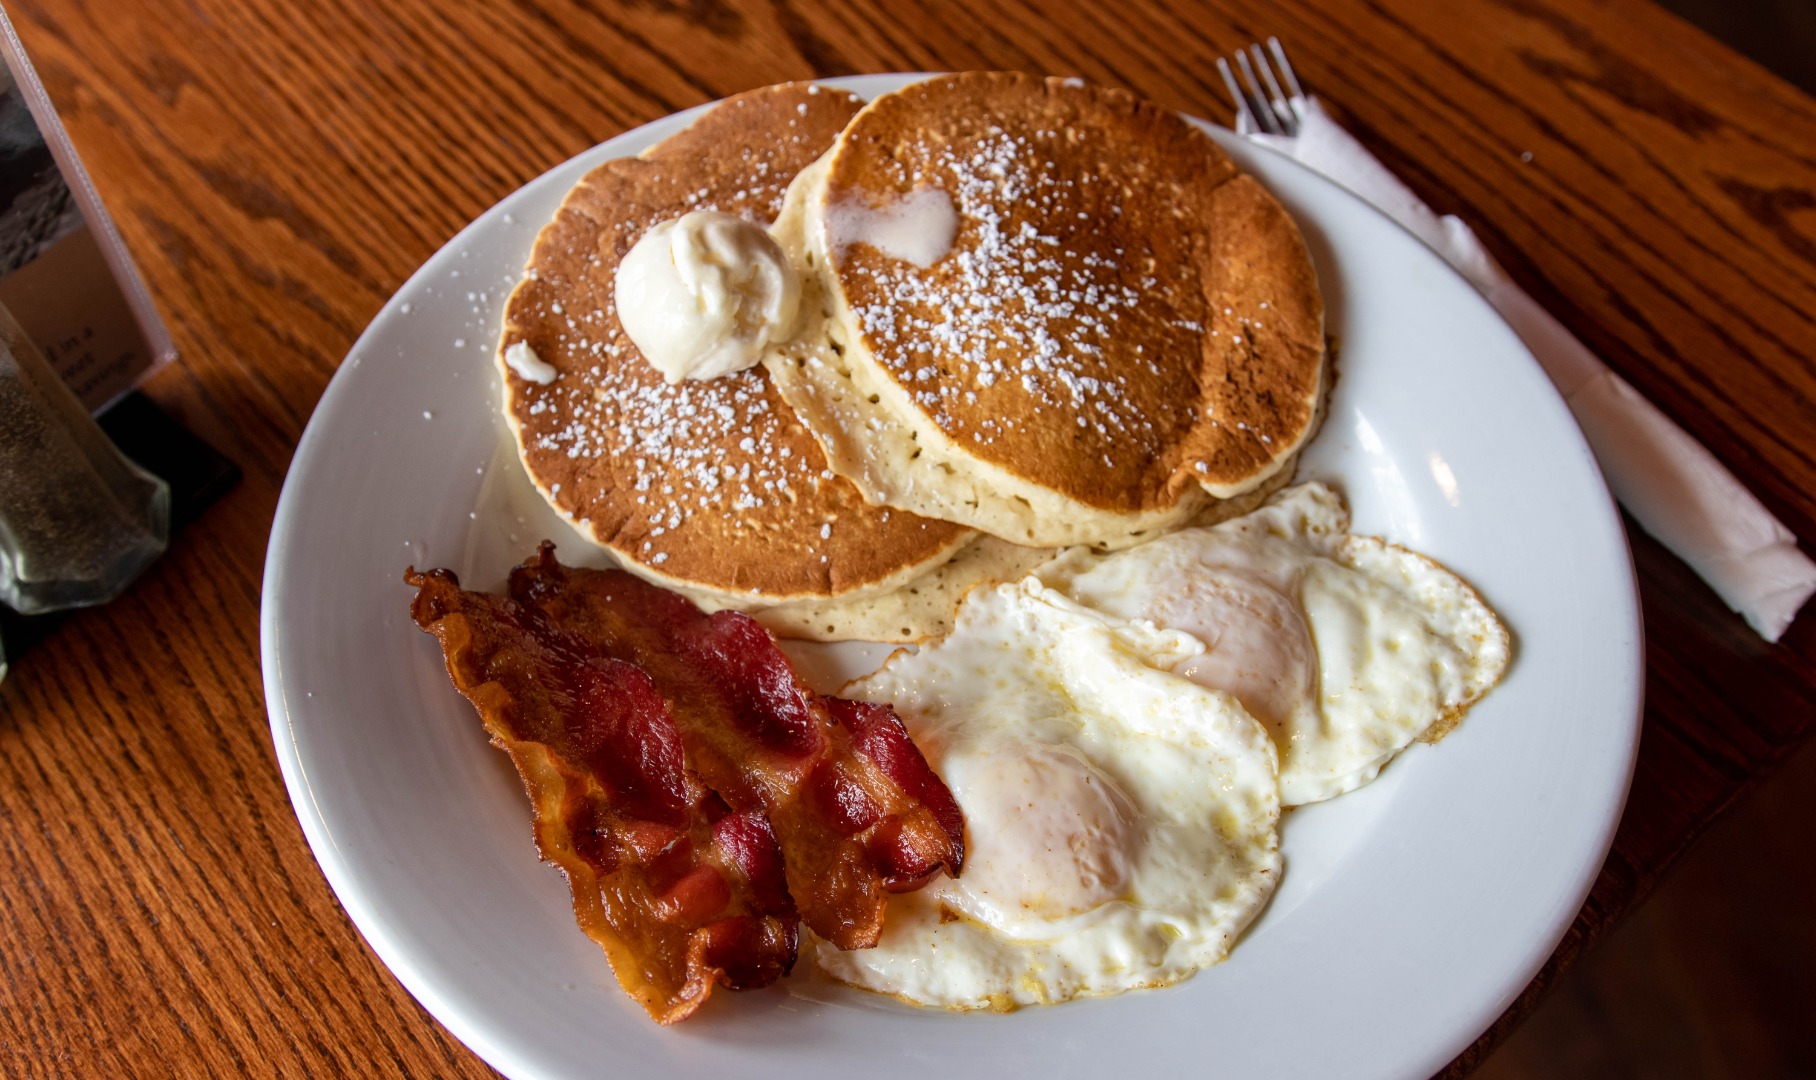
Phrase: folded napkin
{"type": "Point", "coordinates": [1668, 481]}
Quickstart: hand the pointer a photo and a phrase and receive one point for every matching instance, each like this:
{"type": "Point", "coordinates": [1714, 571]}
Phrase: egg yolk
{"type": "Point", "coordinates": [1258, 647]}
{"type": "Point", "coordinates": [1049, 836]}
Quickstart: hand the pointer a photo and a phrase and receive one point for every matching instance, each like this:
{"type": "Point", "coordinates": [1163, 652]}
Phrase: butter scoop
{"type": "Point", "coordinates": [703, 295]}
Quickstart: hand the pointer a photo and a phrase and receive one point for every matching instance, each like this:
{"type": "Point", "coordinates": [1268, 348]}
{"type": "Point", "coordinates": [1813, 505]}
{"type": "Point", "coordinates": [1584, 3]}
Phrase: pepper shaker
{"type": "Point", "coordinates": [78, 520]}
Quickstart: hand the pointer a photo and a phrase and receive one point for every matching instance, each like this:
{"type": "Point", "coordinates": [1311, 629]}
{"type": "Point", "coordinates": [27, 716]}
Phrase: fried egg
{"type": "Point", "coordinates": [1346, 647]}
{"type": "Point", "coordinates": [1120, 821]}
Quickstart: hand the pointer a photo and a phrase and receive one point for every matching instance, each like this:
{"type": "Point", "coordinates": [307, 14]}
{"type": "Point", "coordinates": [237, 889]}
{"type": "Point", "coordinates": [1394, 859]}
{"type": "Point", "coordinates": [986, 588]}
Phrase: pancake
{"type": "Point", "coordinates": [921, 609]}
{"type": "Point", "coordinates": [1124, 330]}
{"type": "Point", "coordinates": [711, 486]}
{"type": "Point", "coordinates": [925, 607]}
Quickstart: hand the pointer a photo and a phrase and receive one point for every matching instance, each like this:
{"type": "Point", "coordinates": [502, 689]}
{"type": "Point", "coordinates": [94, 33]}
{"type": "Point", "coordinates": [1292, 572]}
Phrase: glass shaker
{"type": "Point", "coordinates": [78, 521]}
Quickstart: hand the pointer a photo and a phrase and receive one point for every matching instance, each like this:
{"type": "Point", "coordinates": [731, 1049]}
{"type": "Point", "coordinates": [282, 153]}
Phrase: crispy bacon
{"type": "Point", "coordinates": [910, 856]}
{"type": "Point", "coordinates": [681, 890]}
{"type": "Point", "coordinates": [855, 807]}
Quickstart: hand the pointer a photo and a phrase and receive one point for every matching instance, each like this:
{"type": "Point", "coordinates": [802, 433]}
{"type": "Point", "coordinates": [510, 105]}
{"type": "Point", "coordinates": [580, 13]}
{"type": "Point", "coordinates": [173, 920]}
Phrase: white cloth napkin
{"type": "Point", "coordinates": [1668, 481]}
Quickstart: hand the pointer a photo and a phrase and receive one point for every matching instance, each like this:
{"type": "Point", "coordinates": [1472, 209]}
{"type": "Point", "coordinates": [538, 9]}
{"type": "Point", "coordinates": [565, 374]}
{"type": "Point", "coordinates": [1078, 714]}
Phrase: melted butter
{"type": "Point", "coordinates": [919, 227]}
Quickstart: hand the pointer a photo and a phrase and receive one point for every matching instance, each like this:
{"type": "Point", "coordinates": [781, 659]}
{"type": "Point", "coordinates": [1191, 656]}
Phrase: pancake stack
{"type": "Point", "coordinates": [1123, 331]}
{"type": "Point", "coordinates": [1035, 313]}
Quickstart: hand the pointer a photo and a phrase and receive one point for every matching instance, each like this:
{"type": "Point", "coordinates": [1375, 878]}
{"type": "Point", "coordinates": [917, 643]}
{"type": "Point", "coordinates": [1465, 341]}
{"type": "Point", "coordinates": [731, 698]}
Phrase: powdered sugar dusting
{"type": "Point", "coordinates": [1030, 301]}
{"type": "Point", "coordinates": [616, 413]}
{"type": "Point", "coordinates": [650, 459]}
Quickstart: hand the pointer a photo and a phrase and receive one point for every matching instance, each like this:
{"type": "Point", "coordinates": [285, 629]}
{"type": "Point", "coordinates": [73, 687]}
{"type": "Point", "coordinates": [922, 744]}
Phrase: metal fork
{"type": "Point", "coordinates": [1276, 111]}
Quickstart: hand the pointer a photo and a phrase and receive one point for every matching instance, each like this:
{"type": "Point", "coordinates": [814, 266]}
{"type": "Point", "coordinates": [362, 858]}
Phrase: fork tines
{"type": "Point", "coordinates": [1276, 110]}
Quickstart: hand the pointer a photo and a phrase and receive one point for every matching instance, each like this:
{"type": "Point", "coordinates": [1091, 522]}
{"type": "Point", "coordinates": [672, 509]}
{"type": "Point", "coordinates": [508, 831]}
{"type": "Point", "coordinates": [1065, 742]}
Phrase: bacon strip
{"type": "Point", "coordinates": [681, 891]}
{"type": "Point", "coordinates": [855, 807]}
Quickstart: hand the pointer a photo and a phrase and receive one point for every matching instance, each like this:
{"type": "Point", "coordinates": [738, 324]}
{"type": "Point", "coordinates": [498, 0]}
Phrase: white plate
{"type": "Point", "coordinates": [1411, 913]}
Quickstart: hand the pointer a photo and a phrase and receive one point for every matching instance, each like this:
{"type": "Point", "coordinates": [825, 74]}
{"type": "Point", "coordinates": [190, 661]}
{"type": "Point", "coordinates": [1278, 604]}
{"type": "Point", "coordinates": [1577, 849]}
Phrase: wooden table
{"type": "Point", "coordinates": [279, 168]}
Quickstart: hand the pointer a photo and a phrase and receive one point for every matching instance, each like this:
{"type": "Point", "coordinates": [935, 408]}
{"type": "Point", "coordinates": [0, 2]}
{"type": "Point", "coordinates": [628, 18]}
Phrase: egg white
{"type": "Point", "coordinates": [1147, 840]}
{"type": "Point", "coordinates": [1348, 648]}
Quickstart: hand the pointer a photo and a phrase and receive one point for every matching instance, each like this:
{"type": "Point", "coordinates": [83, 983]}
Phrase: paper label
{"type": "Point", "coordinates": [63, 273]}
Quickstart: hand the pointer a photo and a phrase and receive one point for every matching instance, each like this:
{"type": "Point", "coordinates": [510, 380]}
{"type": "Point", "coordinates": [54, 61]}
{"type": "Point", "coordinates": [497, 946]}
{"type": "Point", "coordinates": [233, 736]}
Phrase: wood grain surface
{"type": "Point", "coordinates": [279, 168]}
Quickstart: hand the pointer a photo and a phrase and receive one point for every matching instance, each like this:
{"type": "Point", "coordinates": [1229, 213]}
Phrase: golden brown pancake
{"type": "Point", "coordinates": [713, 485]}
{"type": "Point", "coordinates": [920, 609]}
{"type": "Point", "coordinates": [1124, 330]}
{"type": "Point", "coordinates": [925, 606]}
